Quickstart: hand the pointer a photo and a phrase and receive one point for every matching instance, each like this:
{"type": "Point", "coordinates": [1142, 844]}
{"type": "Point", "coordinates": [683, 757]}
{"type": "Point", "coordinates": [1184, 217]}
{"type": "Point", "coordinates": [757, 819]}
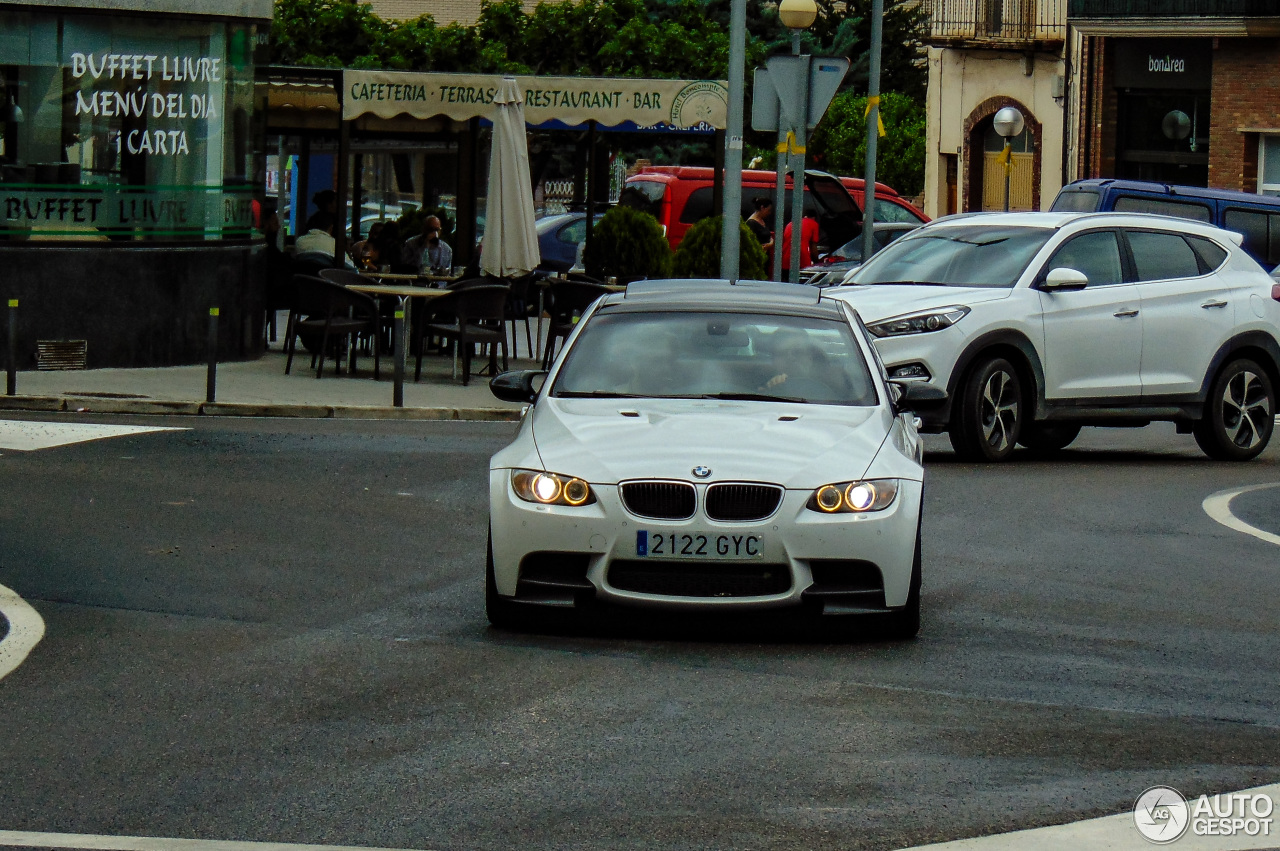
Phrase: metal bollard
{"type": "Point", "coordinates": [397, 393]}
{"type": "Point", "coordinates": [11, 379]}
{"type": "Point", "coordinates": [211, 382]}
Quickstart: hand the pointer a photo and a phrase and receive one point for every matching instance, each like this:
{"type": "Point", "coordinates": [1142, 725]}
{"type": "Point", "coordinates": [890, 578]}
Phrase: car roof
{"type": "Point", "coordinates": [1172, 190]}
{"type": "Point", "coordinates": [1061, 220]}
{"type": "Point", "coordinates": [740, 296]}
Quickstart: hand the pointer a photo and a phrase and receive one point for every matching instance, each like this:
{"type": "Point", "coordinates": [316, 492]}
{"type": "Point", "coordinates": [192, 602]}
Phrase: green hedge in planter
{"type": "Point", "coordinates": [699, 253]}
{"type": "Point", "coordinates": [626, 244]}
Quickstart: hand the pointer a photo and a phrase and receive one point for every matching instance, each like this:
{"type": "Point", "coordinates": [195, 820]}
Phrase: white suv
{"type": "Point", "coordinates": [1036, 324]}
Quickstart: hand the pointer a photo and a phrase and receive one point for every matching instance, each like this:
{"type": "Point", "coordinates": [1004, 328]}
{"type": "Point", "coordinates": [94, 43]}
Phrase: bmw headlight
{"type": "Point", "coordinates": [551, 488]}
{"type": "Point", "coordinates": [854, 497]}
{"type": "Point", "coordinates": [920, 323]}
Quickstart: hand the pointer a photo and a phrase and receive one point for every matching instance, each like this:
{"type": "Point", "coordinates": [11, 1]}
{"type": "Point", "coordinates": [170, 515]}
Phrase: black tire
{"type": "Point", "coordinates": [988, 415]}
{"type": "Point", "coordinates": [1048, 437]}
{"type": "Point", "coordinates": [904, 624]}
{"type": "Point", "coordinates": [1239, 415]}
{"type": "Point", "coordinates": [502, 613]}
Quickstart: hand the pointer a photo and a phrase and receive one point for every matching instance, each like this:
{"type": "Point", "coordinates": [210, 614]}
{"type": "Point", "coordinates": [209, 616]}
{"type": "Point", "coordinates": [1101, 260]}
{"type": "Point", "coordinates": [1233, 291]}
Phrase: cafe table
{"type": "Point", "coordinates": [402, 293]}
{"type": "Point", "coordinates": [410, 278]}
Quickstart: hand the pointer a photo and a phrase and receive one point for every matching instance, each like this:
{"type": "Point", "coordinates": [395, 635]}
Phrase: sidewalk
{"type": "Point", "coordinates": [260, 388]}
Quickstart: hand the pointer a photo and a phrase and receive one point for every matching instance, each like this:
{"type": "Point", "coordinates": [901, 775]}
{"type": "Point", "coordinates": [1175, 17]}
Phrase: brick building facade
{"type": "Point", "coordinates": [1177, 98]}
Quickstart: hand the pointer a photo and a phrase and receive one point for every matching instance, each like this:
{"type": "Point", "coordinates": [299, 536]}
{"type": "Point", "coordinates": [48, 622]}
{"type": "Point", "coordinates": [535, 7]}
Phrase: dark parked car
{"type": "Point", "coordinates": [831, 268]}
{"type": "Point", "coordinates": [558, 240]}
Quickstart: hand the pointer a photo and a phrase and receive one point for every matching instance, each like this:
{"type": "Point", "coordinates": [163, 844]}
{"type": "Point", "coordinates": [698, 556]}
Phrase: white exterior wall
{"type": "Point", "coordinates": [962, 78]}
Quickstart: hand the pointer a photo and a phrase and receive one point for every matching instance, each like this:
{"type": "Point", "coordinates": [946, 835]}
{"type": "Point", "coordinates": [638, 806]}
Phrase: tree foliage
{"type": "Point", "coordinates": [606, 38]}
{"type": "Point", "coordinates": [698, 255]}
{"type": "Point", "coordinates": [628, 243]}
{"type": "Point", "coordinates": [839, 145]}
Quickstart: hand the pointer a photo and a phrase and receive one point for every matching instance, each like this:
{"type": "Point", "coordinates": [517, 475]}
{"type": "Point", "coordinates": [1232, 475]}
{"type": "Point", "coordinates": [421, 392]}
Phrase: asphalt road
{"type": "Point", "coordinates": [274, 630]}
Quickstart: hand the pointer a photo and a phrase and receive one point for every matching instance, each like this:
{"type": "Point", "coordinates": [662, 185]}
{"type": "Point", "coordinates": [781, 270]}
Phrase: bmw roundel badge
{"type": "Point", "coordinates": [701, 472]}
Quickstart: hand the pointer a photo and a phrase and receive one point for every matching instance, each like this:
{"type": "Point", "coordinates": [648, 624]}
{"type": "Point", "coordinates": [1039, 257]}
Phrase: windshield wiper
{"type": "Point", "coordinates": [752, 397]}
{"type": "Point", "coordinates": [597, 394]}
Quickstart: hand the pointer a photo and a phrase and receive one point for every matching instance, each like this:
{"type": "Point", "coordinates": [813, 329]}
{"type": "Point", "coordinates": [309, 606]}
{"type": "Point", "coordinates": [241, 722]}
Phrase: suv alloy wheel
{"type": "Point", "coordinates": [1239, 414]}
{"type": "Point", "coordinates": [989, 414]}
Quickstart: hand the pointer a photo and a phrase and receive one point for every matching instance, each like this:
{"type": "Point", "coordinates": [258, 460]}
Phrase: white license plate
{"type": "Point", "coordinates": [698, 545]}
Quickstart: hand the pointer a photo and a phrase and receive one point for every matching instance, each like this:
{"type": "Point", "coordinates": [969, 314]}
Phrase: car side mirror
{"type": "Point", "coordinates": [1064, 278]}
{"type": "Point", "coordinates": [520, 385]}
{"type": "Point", "coordinates": [916, 396]}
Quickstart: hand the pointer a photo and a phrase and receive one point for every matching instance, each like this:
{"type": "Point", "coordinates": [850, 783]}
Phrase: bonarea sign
{"type": "Point", "coordinates": [573, 100]}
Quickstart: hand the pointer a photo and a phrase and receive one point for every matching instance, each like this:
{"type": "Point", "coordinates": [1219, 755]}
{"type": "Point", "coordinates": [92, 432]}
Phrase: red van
{"type": "Point", "coordinates": [890, 206]}
{"type": "Point", "coordinates": [680, 196]}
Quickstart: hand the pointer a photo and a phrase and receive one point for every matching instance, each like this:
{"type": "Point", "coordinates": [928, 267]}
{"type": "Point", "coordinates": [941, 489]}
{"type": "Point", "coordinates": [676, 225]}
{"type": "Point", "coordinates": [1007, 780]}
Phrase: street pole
{"type": "Point", "coordinates": [779, 203]}
{"type": "Point", "coordinates": [1008, 161]}
{"type": "Point", "coordinates": [873, 132]}
{"type": "Point", "coordinates": [730, 231]}
{"type": "Point", "coordinates": [797, 166]}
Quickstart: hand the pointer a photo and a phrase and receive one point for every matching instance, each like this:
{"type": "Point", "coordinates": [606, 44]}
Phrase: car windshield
{"type": "Point", "coordinates": [966, 256]}
{"type": "Point", "coordinates": [696, 355]}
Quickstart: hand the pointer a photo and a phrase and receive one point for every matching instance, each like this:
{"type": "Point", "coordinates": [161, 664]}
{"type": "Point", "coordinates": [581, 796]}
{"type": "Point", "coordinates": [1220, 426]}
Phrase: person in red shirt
{"type": "Point", "coordinates": [808, 245]}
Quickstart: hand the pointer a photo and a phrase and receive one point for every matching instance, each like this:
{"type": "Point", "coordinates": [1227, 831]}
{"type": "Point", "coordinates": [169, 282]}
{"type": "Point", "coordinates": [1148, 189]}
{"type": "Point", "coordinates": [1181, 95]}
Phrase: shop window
{"type": "Point", "coordinates": [1162, 256]}
{"type": "Point", "coordinates": [127, 128]}
{"type": "Point", "coordinates": [1269, 165]}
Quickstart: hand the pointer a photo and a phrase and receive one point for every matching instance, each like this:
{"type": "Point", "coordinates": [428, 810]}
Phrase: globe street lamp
{"type": "Point", "coordinates": [1008, 123]}
{"type": "Point", "coordinates": [797, 16]}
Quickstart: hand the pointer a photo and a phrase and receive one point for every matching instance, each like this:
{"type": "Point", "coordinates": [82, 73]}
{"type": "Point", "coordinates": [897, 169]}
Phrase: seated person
{"type": "Point", "coordinates": [317, 243]}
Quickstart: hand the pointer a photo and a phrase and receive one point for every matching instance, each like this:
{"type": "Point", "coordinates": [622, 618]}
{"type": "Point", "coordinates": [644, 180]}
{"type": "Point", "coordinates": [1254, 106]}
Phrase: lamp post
{"type": "Point", "coordinates": [1008, 123]}
{"type": "Point", "coordinates": [873, 133]}
{"type": "Point", "coordinates": [797, 16]}
{"type": "Point", "coordinates": [732, 213]}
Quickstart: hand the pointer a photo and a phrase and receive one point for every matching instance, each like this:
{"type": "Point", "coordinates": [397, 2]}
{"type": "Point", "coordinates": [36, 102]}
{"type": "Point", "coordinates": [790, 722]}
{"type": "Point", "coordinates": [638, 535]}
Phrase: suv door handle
{"type": "Point", "coordinates": [1209, 305]}
{"type": "Point", "coordinates": [1125, 313]}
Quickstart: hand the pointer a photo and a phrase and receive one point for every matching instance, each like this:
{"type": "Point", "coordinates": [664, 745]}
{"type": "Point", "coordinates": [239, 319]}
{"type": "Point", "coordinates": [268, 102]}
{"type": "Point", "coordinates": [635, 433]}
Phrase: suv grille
{"type": "Point", "coordinates": [700, 579]}
{"type": "Point", "coordinates": [742, 502]}
{"type": "Point", "coordinates": [660, 500]}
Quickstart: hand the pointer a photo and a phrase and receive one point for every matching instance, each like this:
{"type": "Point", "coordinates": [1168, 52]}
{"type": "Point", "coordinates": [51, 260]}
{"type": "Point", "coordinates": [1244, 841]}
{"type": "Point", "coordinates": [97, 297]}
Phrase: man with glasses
{"type": "Point", "coordinates": [427, 252]}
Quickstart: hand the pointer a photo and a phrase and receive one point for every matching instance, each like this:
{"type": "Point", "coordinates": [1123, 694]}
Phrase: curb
{"type": "Point", "coordinates": [95, 405]}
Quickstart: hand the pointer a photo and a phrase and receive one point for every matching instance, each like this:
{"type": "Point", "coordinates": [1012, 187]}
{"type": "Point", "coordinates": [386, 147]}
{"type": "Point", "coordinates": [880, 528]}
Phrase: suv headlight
{"type": "Point", "coordinates": [551, 488]}
{"type": "Point", "coordinates": [920, 323]}
{"type": "Point", "coordinates": [854, 497]}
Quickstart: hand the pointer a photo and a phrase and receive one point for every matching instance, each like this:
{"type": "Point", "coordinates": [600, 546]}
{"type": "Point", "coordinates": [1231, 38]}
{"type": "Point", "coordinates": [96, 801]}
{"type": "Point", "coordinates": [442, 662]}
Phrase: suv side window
{"type": "Point", "coordinates": [1162, 256]}
{"type": "Point", "coordinates": [1210, 252]}
{"type": "Point", "coordinates": [1162, 207]}
{"type": "Point", "coordinates": [1097, 254]}
{"type": "Point", "coordinates": [1261, 233]}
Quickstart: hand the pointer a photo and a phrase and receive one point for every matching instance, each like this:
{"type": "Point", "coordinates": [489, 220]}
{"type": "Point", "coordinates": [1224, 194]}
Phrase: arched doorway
{"type": "Point", "coordinates": [984, 186]}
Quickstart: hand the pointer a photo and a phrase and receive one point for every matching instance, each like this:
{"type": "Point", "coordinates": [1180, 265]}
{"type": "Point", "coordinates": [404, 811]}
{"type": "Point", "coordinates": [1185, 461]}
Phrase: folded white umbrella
{"type": "Point", "coordinates": [510, 246]}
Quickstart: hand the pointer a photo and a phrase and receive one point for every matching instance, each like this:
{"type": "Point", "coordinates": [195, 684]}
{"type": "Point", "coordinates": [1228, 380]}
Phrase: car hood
{"type": "Point", "coordinates": [881, 301]}
{"type": "Point", "coordinates": [601, 441]}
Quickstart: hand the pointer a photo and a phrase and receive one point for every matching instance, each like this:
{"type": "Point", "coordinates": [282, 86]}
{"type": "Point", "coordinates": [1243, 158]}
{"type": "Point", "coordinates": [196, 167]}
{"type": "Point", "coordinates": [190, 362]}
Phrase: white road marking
{"type": "Point", "coordinates": [1110, 833]}
{"type": "Point", "coordinates": [25, 435]}
{"type": "Point", "coordinates": [1218, 506]}
{"type": "Point", "coordinates": [26, 628]}
{"type": "Point", "coordinates": [152, 843]}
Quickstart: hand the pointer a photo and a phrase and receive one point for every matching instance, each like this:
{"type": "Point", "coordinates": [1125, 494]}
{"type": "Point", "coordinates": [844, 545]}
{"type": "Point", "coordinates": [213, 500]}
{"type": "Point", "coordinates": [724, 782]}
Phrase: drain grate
{"type": "Point", "coordinates": [61, 354]}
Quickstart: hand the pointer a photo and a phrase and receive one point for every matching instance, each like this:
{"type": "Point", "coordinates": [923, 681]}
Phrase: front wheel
{"type": "Point", "coordinates": [989, 413]}
{"type": "Point", "coordinates": [1239, 414]}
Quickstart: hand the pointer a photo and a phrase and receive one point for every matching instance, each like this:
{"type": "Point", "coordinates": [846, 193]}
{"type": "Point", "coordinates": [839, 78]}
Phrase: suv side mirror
{"type": "Point", "coordinates": [916, 396]}
{"type": "Point", "coordinates": [517, 385]}
{"type": "Point", "coordinates": [1064, 278]}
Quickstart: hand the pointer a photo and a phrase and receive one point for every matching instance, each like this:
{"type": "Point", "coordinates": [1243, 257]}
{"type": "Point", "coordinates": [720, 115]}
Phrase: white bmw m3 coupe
{"type": "Point", "coordinates": [710, 446]}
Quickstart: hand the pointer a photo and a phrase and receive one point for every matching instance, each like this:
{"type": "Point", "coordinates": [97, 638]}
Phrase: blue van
{"type": "Point", "coordinates": [1255, 217]}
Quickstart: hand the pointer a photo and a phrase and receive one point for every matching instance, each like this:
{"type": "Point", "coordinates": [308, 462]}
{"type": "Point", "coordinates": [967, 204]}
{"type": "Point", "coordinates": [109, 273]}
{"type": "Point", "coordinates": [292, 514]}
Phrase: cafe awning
{"type": "Point", "coordinates": [608, 101]}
